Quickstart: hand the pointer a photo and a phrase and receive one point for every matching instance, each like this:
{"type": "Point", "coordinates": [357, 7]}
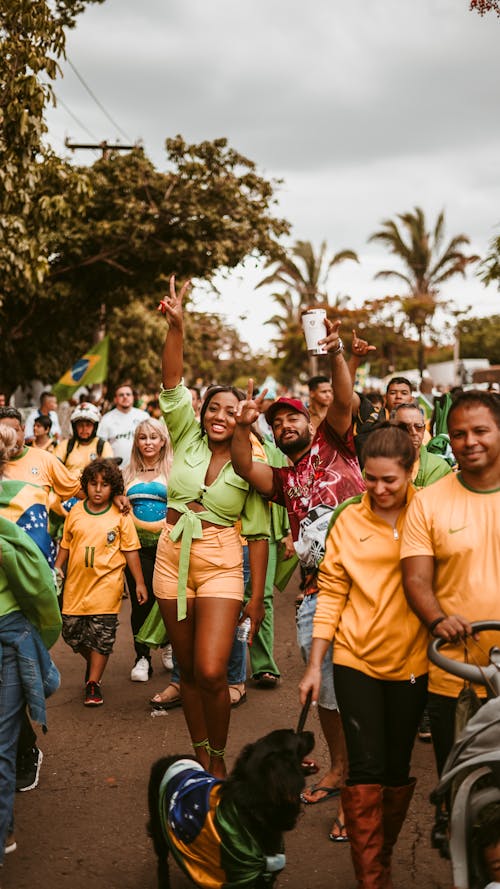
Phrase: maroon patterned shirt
{"type": "Point", "coordinates": [311, 489]}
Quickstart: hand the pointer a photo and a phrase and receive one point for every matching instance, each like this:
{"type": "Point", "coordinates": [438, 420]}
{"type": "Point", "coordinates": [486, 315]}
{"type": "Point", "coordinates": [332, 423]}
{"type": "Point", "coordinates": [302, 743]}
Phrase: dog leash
{"type": "Point", "coordinates": [303, 713]}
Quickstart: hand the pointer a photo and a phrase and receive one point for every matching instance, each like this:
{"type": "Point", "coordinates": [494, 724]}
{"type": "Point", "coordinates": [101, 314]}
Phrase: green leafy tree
{"type": "Point", "coordinates": [427, 264]}
{"type": "Point", "coordinates": [207, 213]}
{"type": "Point", "coordinates": [130, 229]}
{"type": "Point", "coordinates": [32, 39]}
{"type": "Point", "coordinates": [480, 338]}
{"type": "Point", "coordinates": [489, 269]}
{"type": "Point", "coordinates": [213, 351]}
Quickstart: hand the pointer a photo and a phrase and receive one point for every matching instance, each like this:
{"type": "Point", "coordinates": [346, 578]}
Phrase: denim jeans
{"type": "Point", "coordinates": [12, 704]}
{"type": "Point", "coordinates": [304, 621]}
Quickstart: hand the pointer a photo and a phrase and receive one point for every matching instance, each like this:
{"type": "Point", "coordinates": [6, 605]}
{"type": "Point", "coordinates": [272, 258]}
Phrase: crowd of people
{"type": "Point", "coordinates": [205, 503]}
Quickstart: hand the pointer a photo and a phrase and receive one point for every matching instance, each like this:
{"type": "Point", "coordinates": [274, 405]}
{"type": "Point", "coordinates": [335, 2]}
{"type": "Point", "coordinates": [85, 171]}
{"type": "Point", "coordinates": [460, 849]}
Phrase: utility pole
{"type": "Point", "coordinates": [103, 146]}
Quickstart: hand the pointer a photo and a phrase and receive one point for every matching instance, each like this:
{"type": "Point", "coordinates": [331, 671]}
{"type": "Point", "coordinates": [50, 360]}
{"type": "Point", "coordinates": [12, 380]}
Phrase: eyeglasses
{"type": "Point", "coordinates": [412, 427]}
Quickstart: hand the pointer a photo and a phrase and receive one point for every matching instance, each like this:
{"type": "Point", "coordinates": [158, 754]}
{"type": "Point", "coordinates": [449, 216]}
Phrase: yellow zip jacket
{"type": "Point", "coordinates": [361, 601]}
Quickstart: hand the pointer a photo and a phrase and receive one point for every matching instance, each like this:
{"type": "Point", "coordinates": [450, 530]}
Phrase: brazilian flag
{"type": "Point", "coordinates": [90, 368]}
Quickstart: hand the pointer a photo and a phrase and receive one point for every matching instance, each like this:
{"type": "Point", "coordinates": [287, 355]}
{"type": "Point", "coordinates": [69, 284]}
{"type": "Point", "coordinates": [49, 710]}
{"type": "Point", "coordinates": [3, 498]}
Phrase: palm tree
{"type": "Point", "coordinates": [304, 274]}
{"type": "Point", "coordinates": [308, 276]}
{"type": "Point", "coordinates": [427, 265]}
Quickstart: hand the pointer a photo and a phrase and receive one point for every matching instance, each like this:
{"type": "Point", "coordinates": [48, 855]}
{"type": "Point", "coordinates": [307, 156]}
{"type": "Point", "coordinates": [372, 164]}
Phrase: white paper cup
{"type": "Point", "coordinates": [313, 323]}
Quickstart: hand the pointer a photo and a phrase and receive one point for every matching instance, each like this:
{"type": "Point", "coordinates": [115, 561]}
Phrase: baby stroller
{"type": "Point", "coordinates": [472, 771]}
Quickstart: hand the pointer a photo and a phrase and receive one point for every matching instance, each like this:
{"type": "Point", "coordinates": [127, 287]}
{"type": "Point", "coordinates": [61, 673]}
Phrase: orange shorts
{"type": "Point", "coordinates": [215, 565]}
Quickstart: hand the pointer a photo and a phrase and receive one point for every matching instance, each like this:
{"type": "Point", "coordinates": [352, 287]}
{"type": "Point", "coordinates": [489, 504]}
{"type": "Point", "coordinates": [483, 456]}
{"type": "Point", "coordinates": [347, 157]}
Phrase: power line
{"type": "Point", "coordinates": [75, 118]}
{"type": "Point", "coordinates": [103, 146]}
{"type": "Point", "coordinates": [96, 100]}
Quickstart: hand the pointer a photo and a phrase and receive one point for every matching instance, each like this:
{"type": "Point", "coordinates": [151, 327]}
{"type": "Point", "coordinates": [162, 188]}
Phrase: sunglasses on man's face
{"type": "Point", "coordinates": [412, 427]}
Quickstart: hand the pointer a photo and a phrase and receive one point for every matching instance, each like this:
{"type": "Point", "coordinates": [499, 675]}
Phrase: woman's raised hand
{"type": "Point", "coordinates": [171, 305]}
{"type": "Point", "coordinates": [249, 409]}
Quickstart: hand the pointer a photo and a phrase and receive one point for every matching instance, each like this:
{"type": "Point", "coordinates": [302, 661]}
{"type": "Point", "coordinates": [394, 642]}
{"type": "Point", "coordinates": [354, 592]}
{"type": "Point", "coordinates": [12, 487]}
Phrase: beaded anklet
{"type": "Point", "coordinates": [213, 752]}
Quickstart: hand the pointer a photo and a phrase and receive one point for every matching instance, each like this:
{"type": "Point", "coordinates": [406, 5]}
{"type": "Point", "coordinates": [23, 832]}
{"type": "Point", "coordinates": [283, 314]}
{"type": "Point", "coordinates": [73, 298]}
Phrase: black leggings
{"type": "Point", "coordinates": [380, 720]}
{"type": "Point", "coordinates": [442, 711]}
{"type": "Point", "coordinates": [139, 613]}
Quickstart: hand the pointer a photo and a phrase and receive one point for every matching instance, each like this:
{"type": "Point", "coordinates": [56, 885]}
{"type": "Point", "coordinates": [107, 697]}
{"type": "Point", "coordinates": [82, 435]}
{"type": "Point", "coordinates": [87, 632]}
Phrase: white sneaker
{"type": "Point", "coordinates": [166, 657]}
{"type": "Point", "coordinates": [10, 844]}
{"type": "Point", "coordinates": [140, 671]}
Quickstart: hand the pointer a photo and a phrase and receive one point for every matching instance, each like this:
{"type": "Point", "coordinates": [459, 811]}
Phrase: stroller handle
{"type": "Point", "coordinates": [468, 671]}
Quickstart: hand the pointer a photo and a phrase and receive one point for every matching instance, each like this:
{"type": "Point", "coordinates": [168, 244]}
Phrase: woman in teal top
{"type": "Point", "coordinates": [198, 579]}
{"type": "Point", "coordinates": [145, 480]}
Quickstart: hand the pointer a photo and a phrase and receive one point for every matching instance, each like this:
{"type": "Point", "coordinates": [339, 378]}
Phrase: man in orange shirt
{"type": "Point", "coordinates": [451, 549]}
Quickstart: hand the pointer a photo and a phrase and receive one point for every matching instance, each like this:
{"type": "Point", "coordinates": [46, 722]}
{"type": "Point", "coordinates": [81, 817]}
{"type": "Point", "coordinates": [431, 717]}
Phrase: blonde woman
{"type": "Point", "coordinates": [145, 480]}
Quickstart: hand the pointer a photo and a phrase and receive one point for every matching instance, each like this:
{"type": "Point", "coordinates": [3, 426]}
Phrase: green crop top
{"type": "Point", "coordinates": [228, 499]}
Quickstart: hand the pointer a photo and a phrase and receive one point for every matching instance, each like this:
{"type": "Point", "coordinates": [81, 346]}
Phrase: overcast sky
{"type": "Point", "coordinates": [365, 109]}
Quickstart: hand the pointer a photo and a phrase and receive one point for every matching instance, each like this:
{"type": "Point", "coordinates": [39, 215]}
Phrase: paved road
{"type": "Point", "coordinates": [84, 826]}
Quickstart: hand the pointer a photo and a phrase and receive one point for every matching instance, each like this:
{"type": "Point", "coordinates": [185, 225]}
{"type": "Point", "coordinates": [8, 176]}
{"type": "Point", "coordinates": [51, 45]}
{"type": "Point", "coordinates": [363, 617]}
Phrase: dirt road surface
{"type": "Point", "coordinates": [84, 827]}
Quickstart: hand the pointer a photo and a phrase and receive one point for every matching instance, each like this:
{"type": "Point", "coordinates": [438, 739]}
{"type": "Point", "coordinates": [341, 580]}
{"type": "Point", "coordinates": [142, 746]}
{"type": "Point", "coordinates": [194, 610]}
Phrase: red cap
{"type": "Point", "coordinates": [292, 403]}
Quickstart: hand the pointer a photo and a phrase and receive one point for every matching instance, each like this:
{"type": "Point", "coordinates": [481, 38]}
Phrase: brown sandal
{"type": "Point", "coordinates": [237, 695]}
{"type": "Point", "coordinates": [166, 700]}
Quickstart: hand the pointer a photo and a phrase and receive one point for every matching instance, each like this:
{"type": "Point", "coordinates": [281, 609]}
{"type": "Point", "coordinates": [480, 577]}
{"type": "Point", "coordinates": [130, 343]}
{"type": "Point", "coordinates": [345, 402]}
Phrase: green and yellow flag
{"type": "Point", "coordinates": [90, 368]}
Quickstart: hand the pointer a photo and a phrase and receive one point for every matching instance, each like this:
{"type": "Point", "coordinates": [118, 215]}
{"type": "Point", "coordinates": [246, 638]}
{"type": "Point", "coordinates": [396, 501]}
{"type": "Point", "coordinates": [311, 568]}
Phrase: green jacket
{"type": "Point", "coordinates": [431, 468]}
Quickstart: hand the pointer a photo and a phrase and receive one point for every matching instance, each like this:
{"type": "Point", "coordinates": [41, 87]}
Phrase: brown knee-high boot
{"type": "Point", "coordinates": [395, 806]}
{"type": "Point", "coordinates": [363, 813]}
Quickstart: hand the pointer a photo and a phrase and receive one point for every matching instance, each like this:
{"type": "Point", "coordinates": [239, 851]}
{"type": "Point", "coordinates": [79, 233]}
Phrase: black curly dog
{"type": "Point", "coordinates": [262, 792]}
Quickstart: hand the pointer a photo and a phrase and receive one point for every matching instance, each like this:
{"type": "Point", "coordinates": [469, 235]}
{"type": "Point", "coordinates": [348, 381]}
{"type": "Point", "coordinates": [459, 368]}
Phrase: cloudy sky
{"type": "Point", "coordinates": [364, 109]}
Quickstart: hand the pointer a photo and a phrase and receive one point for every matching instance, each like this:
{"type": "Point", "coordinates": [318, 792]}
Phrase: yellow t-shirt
{"type": "Point", "coordinates": [38, 467]}
{"type": "Point", "coordinates": [361, 599]}
{"type": "Point", "coordinates": [96, 544]}
{"type": "Point", "coordinates": [460, 529]}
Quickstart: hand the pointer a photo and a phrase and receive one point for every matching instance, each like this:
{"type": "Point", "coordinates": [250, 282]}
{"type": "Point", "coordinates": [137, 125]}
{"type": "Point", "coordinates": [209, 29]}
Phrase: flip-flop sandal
{"type": "Point", "coordinates": [328, 793]}
{"type": "Point", "coordinates": [237, 696]}
{"type": "Point", "coordinates": [166, 705]}
{"type": "Point", "coordinates": [266, 680]}
{"type": "Point", "coordinates": [309, 767]}
{"type": "Point", "coordinates": [337, 837]}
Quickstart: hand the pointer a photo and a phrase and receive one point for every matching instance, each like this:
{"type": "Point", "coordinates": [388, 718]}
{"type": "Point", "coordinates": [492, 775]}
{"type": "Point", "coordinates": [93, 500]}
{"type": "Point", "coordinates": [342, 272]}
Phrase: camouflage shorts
{"type": "Point", "coordinates": [94, 631]}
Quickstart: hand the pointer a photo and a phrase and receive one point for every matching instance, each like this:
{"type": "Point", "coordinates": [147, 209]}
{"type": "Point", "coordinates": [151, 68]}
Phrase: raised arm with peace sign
{"type": "Point", "coordinates": [173, 355]}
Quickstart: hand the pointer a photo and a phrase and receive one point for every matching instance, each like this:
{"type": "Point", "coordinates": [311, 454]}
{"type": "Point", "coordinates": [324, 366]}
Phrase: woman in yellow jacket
{"type": "Point", "coordinates": [379, 654]}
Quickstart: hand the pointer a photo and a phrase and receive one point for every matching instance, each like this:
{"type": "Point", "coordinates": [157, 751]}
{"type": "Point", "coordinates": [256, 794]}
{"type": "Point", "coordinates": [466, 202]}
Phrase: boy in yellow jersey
{"type": "Point", "coordinates": [451, 550]}
{"type": "Point", "coordinates": [97, 543]}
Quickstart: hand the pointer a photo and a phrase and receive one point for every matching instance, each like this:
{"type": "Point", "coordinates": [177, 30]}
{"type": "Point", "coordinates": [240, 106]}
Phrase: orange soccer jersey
{"type": "Point", "coordinates": [459, 528]}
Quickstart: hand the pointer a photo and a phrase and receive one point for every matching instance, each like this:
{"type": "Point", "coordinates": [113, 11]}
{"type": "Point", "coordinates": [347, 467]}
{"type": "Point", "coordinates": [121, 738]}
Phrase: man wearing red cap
{"type": "Point", "coordinates": [324, 472]}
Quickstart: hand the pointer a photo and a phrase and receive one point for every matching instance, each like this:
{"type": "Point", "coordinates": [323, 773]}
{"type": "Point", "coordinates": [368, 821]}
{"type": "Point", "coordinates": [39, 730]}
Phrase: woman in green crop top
{"type": "Point", "coordinates": [198, 579]}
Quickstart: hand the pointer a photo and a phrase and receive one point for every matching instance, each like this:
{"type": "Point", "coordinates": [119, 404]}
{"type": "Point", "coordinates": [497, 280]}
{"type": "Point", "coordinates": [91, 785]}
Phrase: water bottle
{"type": "Point", "coordinates": [243, 630]}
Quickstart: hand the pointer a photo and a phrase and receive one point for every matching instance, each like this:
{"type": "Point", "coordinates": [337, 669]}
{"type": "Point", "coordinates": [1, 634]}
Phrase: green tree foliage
{"type": "Point", "coordinates": [427, 265]}
{"type": "Point", "coordinates": [213, 351]}
{"type": "Point", "coordinates": [306, 273]}
{"type": "Point", "coordinates": [32, 39]}
{"type": "Point", "coordinates": [480, 338]}
{"type": "Point", "coordinates": [489, 270]}
{"type": "Point", "coordinates": [129, 230]}
{"type": "Point", "coordinates": [208, 212]}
